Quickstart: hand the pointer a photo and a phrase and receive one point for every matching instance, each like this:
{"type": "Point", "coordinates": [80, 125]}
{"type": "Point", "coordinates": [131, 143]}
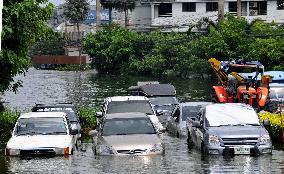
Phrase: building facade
{"type": "Point", "coordinates": [181, 13]}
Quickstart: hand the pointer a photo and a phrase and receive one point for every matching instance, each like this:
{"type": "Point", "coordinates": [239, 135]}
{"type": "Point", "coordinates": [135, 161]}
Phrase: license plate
{"type": "Point", "coordinates": [241, 150]}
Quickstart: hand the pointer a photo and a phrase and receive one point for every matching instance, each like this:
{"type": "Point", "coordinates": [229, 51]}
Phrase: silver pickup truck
{"type": "Point", "coordinates": [230, 128]}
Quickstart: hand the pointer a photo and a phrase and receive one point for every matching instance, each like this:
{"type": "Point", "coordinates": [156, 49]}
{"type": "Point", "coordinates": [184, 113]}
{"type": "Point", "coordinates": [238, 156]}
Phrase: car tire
{"type": "Point", "coordinates": [178, 135]}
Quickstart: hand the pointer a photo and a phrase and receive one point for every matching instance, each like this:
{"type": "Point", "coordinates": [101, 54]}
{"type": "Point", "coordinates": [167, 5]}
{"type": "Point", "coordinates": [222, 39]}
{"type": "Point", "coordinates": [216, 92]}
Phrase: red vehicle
{"type": "Point", "coordinates": [233, 88]}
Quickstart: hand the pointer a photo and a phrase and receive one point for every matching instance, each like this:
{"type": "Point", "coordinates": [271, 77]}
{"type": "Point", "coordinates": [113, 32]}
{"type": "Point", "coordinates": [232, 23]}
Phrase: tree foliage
{"type": "Point", "coordinates": [24, 22]}
{"type": "Point", "coordinates": [76, 10]}
{"type": "Point", "coordinates": [117, 50]}
{"type": "Point", "coordinates": [51, 44]}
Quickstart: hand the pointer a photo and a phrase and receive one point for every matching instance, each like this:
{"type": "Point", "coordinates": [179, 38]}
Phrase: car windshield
{"type": "Point", "coordinates": [41, 125]}
{"type": "Point", "coordinates": [71, 114]}
{"type": "Point", "coordinates": [230, 116]}
{"type": "Point", "coordinates": [276, 93]}
{"type": "Point", "coordinates": [130, 106]}
{"type": "Point", "coordinates": [128, 126]}
{"type": "Point", "coordinates": [163, 100]}
{"type": "Point", "coordinates": [189, 111]}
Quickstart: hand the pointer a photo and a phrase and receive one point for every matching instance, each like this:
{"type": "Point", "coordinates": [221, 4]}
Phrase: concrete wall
{"type": "Point", "coordinates": [58, 60]}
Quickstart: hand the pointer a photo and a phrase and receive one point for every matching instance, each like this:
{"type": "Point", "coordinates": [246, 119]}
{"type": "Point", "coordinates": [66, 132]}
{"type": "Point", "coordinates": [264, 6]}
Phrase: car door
{"type": "Point", "coordinates": [200, 130]}
{"type": "Point", "coordinates": [174, 120]}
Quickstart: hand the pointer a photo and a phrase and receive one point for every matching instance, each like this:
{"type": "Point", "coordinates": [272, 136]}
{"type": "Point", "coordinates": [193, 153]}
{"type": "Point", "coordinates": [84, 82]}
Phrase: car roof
{"type": "Point", "coordinates": [276, 85]}
{"type": "Point", "coordinates": [127, 115]}
{"type": "Point", "coordinates": [155, 89]}
{"type": "Point", "coordinates": [43, 114]}
{"type": "Point", "coordinates": [195, 103]}
{"type": "Point", "coordinates": [55, 105]}
{"type": "Point", "coordinates": [126, 98]}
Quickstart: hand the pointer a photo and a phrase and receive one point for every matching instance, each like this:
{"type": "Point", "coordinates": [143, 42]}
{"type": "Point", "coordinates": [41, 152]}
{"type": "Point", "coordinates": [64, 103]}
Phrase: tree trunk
{"type": "Point", "coordinates": [126, 17]}
{"type": "Point", "coordinates": [110, 15]}
{"type": "Point", "coordinates": [220, 10]}
{"type": "Point", "coordinates": [239, 8]}
{"type": "Point", "coordinates": [98, 14]}
{"type": "Point", "coordinates": [79, 44]}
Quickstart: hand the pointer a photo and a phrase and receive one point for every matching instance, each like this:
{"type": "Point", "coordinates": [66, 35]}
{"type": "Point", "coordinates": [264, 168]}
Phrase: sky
{"type": "Point", "coordinates": [57, 2]}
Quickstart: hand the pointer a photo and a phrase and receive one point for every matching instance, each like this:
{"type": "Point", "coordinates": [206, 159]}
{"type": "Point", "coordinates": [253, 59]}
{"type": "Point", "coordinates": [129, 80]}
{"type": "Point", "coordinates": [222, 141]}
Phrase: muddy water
{"type": "Point", "coordinates": [89, 89]}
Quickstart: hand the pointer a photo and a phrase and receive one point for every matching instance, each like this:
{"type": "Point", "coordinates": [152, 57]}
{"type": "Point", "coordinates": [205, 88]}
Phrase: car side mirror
{"type": "Point", "coordinates": [93, 133]}
{"type": "Point", "coordinates": [162, 130]}
{"type": "Point", "coordinates": [266, 123]}
{"type": "Point", "coordinates": [196, 124]}
{"type": "Point", "coordinates": [73, 131]}
{"type": "Point", "coordinates": [159, 112]}
{"type": "Point", "coordinates": [99, 114]}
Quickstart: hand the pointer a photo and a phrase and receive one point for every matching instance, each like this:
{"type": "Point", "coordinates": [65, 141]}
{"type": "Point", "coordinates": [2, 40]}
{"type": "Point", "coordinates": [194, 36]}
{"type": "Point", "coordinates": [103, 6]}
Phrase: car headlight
{"type": "Point", "coordinates": [105, 150]}
{"type": "Point", "coordinates": [12, 152]}
{"type": "Point", "coordinates": [265, 139]}
{"type": "Point", "coordinates": [214, 140]}
{"type": "Point", "coordinates": [157, 147]}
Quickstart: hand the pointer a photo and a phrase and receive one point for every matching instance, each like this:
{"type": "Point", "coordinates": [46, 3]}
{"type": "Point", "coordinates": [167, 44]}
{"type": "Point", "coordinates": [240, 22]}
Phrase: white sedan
{"type": "Point", "coordinates": [42, 133]}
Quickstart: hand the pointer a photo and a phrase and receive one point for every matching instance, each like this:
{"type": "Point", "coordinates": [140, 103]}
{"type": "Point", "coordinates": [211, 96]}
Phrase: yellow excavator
{"type": "Point", "coordinates": [234, 88]}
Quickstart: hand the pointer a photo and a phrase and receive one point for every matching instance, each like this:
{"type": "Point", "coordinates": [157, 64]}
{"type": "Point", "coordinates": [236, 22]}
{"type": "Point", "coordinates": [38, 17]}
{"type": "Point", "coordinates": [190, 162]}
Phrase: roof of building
{"type": "Point", "coordinates": [155, 89]}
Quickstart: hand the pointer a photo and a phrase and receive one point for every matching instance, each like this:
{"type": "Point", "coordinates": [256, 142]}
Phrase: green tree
{"type": "Point", "coordinates": [76, 11]}
{"type": "Point", "coordinates": [24, 22]}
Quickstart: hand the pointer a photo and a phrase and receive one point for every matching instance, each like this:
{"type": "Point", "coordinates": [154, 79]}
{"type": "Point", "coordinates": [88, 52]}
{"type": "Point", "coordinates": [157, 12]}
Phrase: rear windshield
{"type": "Point", "coordinates": [126, 126]}
{"type": "Point", "coordinates": [163, 100]}
{"type": "Point", "coordinates": [41, 125]}
{"type": "Point", "coordinates": [276, 93]}
{"type": "Point", "coordinates": [190, 111]}
{"type": "Point", "coordinates": [71, 114]}
{"type": "Point", "coordinates": [130, 106]}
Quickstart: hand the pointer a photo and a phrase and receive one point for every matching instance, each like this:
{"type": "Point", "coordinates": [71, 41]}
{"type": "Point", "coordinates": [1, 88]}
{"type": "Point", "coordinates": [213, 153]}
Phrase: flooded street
{"type": "Point", "coordinates": [89, 89]}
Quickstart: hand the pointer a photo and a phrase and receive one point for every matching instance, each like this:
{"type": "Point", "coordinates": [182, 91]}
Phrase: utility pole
{"type": "Point", "coordinates": [239, 8]}
{"type": "Point", "coordinates": [98, 14]}
{"type": "Point", "coordinates": [1, 7]}
{"type": "Point", "coordinates": [220, 10]}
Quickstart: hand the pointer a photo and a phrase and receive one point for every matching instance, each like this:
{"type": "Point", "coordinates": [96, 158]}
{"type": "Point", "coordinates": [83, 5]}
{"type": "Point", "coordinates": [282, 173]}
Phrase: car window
{"type": "Point", "coordinates": [71, 113]}
{"type": "Point", "coordinates": [41, 125]}
{"type": "Point", "coordinates": [126, 126]}
{"type": "Point", "coordinates": [231, 116]}
{"type": "Point", "coordinates": [190, 111]}
{"type": "Point", "coordinates": [129, 106]}
{"type": "Point", "coordinates": [163, 100]}
{"type": "Point", "coordinates": [276, 93]}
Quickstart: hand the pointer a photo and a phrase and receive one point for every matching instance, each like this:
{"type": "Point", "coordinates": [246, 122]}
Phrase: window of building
{"type": "Point", "coordinates": [211, 6]}
{"type": "Point", "coordinates": [258, 8]}
{"type": "Point", "coordinates": [188, 7]}
{"type": "Point", "coordinates": [280, 4]}
{"type": "Point", "coordinates": [165, 10]}
{"type": "Point", "coordinates": [233, 7]}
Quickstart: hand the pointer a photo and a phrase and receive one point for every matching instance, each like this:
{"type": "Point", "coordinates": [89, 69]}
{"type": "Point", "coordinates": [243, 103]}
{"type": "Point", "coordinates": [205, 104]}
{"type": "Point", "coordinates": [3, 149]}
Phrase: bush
{"type": "Point", "coordinates": [8, 120]}
{"type": "Point", "coordinates": [276, 128]}
{"type": "Point", "coordinates": [88, 117]}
